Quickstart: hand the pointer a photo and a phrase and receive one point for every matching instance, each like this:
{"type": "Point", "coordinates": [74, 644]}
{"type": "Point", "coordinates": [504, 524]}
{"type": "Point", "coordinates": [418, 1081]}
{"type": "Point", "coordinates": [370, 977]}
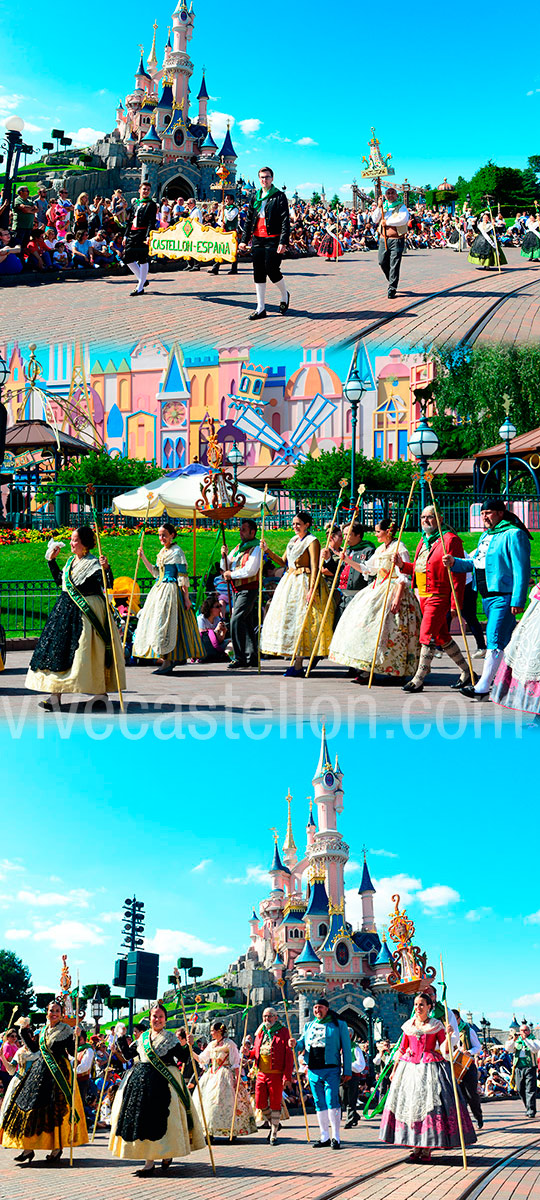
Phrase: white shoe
{"type": "Point", "coordinates": [479, 654]}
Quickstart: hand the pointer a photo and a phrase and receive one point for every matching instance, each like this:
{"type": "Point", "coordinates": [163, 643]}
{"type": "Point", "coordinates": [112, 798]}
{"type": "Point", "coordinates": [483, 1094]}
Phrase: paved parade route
{"type": "Point", "coordinates": [249, 1169]}
{"type": "Point", "coordinates": [331, 303]}
{"type": "Point", "coordinates": [198, 699]}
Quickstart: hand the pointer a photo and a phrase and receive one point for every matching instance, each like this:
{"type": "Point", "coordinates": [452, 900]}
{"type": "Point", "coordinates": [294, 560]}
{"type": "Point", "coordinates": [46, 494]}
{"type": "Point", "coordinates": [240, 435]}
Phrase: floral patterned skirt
{"type": "Point", "coordinates": [355, 638]}
{"type": "Point", "coordinates": [420, 1109]}
{"type": "Point", "coordinates": [284, 619]}
{"type": "Point", "coordinates": [218, 1091]}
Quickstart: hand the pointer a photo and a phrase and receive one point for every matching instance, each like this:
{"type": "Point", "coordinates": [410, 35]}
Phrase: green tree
{"type": "Point", "coordinates": [89, 988]}
{"type": "Point", "coordinates": [115, 1003]}
{"type": "Point", "coordinates": [43, 999]}
{"type": "Point", "coordinates": [469, 393]}
{"type": "Point", "coordinates": [326, 471]}
{"type": "Point", "coordinates": [335, 201]}
{"type": "Point", "coordinates": [15, 983]}
{"type": "Point", "coordinates": [315, 199]}
{"type": "Point", "coordinates": [99, 468]}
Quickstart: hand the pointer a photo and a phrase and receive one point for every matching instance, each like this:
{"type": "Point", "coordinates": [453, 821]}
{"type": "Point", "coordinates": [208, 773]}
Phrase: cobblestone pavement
{"type": "Point", "coordinates": [330, 304]}
{"type": "Point", "coordinates": [198, 699]}
{"type": "Point", "coordinates": [250, 1169]}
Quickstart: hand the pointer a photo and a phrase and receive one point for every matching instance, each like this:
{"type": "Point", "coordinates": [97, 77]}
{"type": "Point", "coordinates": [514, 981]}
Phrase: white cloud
{"type": "Point", "coordinates": [28, 128]}
{"type": "Point", "coordinates": [68, 935]}
{"type": "Point", "coordinates": [306, 141]}
{"type": "Point", "coordinates": [533, 918]}
{"type": "Point", "coordinates": [526, 1000]}
{"type": "Point", "coordinates": [345, 190]}
{"type": "Point", "coordinates": [205, 862]}
{"type": "Point", "coordinates": [111, 918]}
{"type": "Point", "coordinates": [352, 867]}
{"type": "Point", "coordinates": [531, 93]}
{"type": "Point", "coordinates": [6, 866]}
{"type": "Point", "coordinates": [169, 943]}
{"type": "Point", "coordinates": [304, 187]}
{"type": "Point", "coordinates": [403, 885]}
{"type": "Point", "coordinates": [276, 137]}
{"type": "Point", "coordinates": [9, 103]}
{"type": "Point", "coordinates": [218, 123]}
{"type": "Point", "coordinates": [478, 914]}
{"type": "Point", "coordinates": [77, 896]}
{"type": "Point", "coordinates": [383, 853]}
{"type": "Point", "coordinates": [17, 935]}
{"type": "Point", "coordinates": [250, 125]}
{"type": "Point", "coordinates": [252, 875]}
{"type": "Point", "coordinates": [439, 896]}
{"type": "Point", "coordinates": [85, 136]}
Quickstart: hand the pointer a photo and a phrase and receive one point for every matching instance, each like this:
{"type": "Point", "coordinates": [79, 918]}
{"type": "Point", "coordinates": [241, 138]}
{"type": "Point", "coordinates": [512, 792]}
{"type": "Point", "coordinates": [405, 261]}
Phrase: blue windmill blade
{"type": "Point", "coordinates": [251, 423]}
{"type": "Point", "coordinates": [315, 415]}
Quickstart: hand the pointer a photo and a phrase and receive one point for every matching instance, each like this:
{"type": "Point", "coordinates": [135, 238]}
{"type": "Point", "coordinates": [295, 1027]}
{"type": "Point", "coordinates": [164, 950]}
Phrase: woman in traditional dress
{"type": "Point", "coordinates": [330, 246]}
{"type": "Point", "coordinates": [530, 246]}
{"type": "Point", "coordinates": [517, 682]}
{"type": "Point", "coordinates": [355, 638]}
{"type": "Point", "coordinates": [74, 652]}
{"type": "Point", "coordinates": [486, 250]}
{"type": "Point", "coordinates": [420, 1110]}
{"type": "Point", "coordinates": [218, 1087]}
{"type": "Point", "coordinates": [37, 1111]}
{"type": "Point", "coordinates": [285, 616]}
{"type": "Point", "coordinates": [152, 1115]}
{"type": "Point", "coordinates": [166, 626]}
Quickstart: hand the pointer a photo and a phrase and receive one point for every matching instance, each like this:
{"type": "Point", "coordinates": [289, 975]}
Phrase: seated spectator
{"type": "Point", "coordinates": [10, 260]}
{"type": "Point", "coordinates": [100, 249]}
{"type": "Point", "coordinates": [61, 257]}
{"type": "Point", "coordinates": [116, 247]}
{"type": "Point", "coordinates": [51, 239]}
{"type": "Point", "coordinates": [82, 252]}
{"type": "Point", "coordinates": [212, 629]}
{"type": "Point", "coordinates": [37, 254]}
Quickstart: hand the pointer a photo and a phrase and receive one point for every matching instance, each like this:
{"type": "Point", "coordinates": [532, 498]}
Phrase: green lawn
{"type": "Point", "coordinates": [28, 561]}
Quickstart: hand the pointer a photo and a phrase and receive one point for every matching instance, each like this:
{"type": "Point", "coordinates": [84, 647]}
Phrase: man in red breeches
{"type": "Point", "coordinates": [274, 1061]}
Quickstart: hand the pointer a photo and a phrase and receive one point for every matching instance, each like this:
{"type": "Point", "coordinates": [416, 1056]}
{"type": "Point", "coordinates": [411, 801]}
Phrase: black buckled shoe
{"type": "Point", "coordinates": [411, 686]}
{"type": "Point", "coordinates": [285, 304]}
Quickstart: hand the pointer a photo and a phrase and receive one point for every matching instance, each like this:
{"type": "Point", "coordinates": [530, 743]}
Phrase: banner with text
{"type": "Point", "coordinates": [189, 239]}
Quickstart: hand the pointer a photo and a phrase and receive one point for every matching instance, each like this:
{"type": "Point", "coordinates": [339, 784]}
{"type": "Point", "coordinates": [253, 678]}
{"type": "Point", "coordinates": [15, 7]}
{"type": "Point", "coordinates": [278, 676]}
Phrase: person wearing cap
{"type": "Point", "coordinates": [502, 570]}
{"type": "Point", "coordinates": [396, 222]}
{"type": "Point", "coordinates": [326, 1045]}
{"type": "Point", "coordinates": [525, 1067]}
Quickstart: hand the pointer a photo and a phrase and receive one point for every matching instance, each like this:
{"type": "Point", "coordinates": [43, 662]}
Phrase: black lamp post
{"type": "Point", "coordinates": [235, 458]}
{"type": "Point", "coordinates": [353, 390]}
{"type": "Point", "coordinates": [423, 444]}
{"type": "Point", "coordinates": [96, 1009]}
{"type": "Point", "coordinates": [485, 1025]}
{"type": "Point", "coordinates": [506, 433]}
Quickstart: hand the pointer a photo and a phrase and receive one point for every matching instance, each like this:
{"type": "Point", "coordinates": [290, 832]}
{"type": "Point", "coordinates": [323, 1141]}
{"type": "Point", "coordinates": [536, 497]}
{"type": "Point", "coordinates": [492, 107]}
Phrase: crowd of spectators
{"type": "Point", "coordinates": [48, 233]}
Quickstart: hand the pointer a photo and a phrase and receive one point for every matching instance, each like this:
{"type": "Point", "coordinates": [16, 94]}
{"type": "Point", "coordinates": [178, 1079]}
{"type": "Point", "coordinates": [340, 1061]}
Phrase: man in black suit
{"type": "Point", "coordinates": [268, 228]}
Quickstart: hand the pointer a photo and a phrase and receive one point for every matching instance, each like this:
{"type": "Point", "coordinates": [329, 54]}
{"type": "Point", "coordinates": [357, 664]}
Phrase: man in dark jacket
{"type": "Point", "coordinates": [140, 220]}
{"type": "Point", "coordinates": [267, 227]}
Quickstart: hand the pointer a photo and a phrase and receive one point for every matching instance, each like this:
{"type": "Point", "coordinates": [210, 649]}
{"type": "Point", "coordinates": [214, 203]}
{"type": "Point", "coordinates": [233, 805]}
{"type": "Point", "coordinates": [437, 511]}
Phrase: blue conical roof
{"type": "Point", "coordinates": [318, 900]}
{"type": "Point", "coordinates": [254, 916]}
{"type": "Point", "coordinates": [277, 864]}
{"type": "Point", "coordinates": [209, 141]}
{"type": "Point", "coordinates": [366, 884]}
{"type": "Point", "coordinates": [151, 138]}
{"type": "Point", "coordinates": [203, 93]}
{"type": "Point", "coordinates": [141, 71]}
{"type": "Point", "coordinates": [308, 955]}
{"type": "Point", "coordinates": [166, 99]}
{"type": "Point", "coordinates": [384, 957]}
{"type": "Point", "coordinates": [324, 763]}
{"type": "Point", "coordinates": [227, 149]}
{"type": "Point", "coordinates": [278, 961]}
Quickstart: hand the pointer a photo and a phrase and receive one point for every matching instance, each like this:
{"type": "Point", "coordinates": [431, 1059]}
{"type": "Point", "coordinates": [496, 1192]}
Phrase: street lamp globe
{"type": "Point", "coordinates": [96, 1007]}
{"type": "Point", "coordinates": [423, 442]}
{"type": "Point", "coordinates": [353, 388]}
{"type": "Point", "coordinates": [14, 124]}
{"type": "Point", "coordinates": [235, 456]}
{"type": "Point", "coordinates": [368, 1003]}
{"type": "Point", "coordinates": [507, 431]}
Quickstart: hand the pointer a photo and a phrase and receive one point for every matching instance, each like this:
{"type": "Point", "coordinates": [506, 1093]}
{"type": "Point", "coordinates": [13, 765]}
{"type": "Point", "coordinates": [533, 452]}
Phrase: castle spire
{"type": "Point", "coordinates": [289, 843]}
{"type": "Point", "coordinates": [152, 57]}
{"type": "Point", "coordinates": [324, 758]}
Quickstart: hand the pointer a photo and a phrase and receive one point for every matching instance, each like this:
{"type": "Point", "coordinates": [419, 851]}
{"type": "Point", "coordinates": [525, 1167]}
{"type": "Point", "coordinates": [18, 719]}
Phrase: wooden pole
{"type": "Point", "coordinates": [390, 578]}
{"type": "Point", "coordinates": [90, 491]}
{"type": "Point", "coordinates": [229, 591]}
{"type": "Point", "coordinates": [454, 593]}
{"type": "Point", "coordinates": [261, 566]}
{"type": "Point", "coordinates": [195, 550]}
{"type": "Point", "coordinates": [342, 485]}
{"type": "Point", "coordinates": [453, 1074]}
{"type": "Point", "coordinates": [102, 1093]}
{"type": "Point", "coordinates": [74, 1081]}
{"type": "Point", "coordinates": [361, 491]}
{"type": "Point", "coordinates": [383, 221]}
{"type": "Point", "coordinates": [239, 1080]}
{"type": "Point", "coordinates": [141, 543]}
{"type": "Point", "coordinates": [281, 985]}
{"type": "Point", "coordinates": [196, 1077]}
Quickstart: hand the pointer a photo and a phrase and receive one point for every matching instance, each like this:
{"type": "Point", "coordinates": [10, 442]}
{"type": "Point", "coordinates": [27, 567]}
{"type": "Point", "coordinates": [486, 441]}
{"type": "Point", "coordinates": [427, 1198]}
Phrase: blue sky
{"type": "Point", "coordinates": [324, 85]}
{"type": "Point", "coordinates": [185, 824]}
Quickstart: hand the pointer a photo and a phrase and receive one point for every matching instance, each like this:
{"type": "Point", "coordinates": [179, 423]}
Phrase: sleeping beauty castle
{"type": "Point", "coordinates": [301, 933]}
{"type": "Point", "coordinates": [156, 124]}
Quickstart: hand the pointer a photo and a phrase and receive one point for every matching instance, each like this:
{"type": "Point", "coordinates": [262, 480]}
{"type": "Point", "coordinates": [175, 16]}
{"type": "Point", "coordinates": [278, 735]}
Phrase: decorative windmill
{"type": "Point", "coordinates": [250, 421]}
{"type": "Point", "coordinates": [410, 970]}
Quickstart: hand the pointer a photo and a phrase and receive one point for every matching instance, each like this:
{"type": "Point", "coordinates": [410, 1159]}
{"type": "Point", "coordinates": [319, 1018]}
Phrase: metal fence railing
{"type": "Point", "coordinates": [50, 508]}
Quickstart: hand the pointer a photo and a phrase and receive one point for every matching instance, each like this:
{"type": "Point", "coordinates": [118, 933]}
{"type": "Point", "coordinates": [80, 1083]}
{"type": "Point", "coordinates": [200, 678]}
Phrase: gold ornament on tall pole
{"type": "Point", "coordinates": [377, 168]}
{"type": "Point", "coordinates": [74, 1081]}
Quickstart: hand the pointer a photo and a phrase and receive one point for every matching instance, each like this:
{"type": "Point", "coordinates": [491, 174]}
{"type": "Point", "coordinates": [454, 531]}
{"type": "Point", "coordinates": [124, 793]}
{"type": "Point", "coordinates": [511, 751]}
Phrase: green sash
{"type": "Point", "coordinates": [178, 1084]}
{"type": "Point", "coordinates": [82, 604]}
{"type": "Point", "coordinates": [60, 1080]}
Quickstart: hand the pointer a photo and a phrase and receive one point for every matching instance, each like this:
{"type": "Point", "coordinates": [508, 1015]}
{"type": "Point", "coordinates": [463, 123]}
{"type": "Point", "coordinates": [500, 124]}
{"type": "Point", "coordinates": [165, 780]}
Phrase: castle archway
{"type": "Point", "coordinates": [357, 1023]}
{"type": "Point", "coordinates": [178, 188]}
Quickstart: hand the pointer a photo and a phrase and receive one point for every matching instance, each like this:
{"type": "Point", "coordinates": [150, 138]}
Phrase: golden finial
{"type": "Point", "coordinates": [152, 58]}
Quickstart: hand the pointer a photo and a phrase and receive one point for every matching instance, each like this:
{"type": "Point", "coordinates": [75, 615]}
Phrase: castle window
{"type": "Point", "coordinates": [178, 138]}
{"type": "Point", "coordinates": [323, 929]}
{"type": "Point", "coordinates": [342, 954]}
{"type": "Point", "coordinates": [257, 387]}
{"type": "Point", "coordinates": [244, 383]}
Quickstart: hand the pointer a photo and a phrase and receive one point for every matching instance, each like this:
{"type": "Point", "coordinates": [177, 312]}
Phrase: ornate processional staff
{"type": "Point", "coordinates": [377, 168]}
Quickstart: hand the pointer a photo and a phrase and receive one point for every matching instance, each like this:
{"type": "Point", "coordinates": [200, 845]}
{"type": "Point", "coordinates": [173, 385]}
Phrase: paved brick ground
{"type": "Point", "coordinates": [251, 1170]}
{"type": "Point", "coordinates": [330, 303]}
{"type": "Point", "coordinates": [196, 699]}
